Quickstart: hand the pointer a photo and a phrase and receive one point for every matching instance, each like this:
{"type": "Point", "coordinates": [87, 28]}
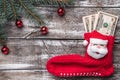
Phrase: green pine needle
{"type": "Point", "coordinates": [3, 36]}
{"type": "Point", "coordinates": [13, 9]}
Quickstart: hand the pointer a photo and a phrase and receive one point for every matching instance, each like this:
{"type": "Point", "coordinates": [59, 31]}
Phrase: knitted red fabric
{"type": "Point", "coordinates": [76, 65]}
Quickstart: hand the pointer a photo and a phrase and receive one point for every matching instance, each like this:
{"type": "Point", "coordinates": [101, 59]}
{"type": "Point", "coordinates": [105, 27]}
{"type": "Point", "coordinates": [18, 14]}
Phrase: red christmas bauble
{"type": "Point", "coordinates": [19, 23]}
{"type": "Point", "coordinates": [5, 50]}
{"type": "Point", "coordinates": [61, 11]}
{"type": "Point", "coordinates": [44, 30]}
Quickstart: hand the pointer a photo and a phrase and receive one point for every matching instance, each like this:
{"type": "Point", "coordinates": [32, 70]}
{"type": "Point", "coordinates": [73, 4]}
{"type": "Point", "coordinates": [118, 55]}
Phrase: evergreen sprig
{"type": "Point", "coordinates": [13, 9]}
{"type": "Point", "coordinates": [3, 37]}
{"type": "Point", "coordinates": [29, 11]}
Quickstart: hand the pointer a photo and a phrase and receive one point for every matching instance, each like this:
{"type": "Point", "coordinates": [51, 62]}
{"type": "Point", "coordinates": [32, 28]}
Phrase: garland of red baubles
{"type": "Point", "coordinates": [44, 30]}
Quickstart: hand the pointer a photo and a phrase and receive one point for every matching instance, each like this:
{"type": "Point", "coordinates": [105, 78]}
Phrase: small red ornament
{"type": "Point", "coordinates": [19, 23]}
{"type": "Point", "coordinates": [61, 11]}
{"type": "Point", "coordinates": [5, 50]}
{"type": "Point", "coordinates": [44, 30]}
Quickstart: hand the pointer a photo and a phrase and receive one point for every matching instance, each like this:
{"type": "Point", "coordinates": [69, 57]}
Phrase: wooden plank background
{"type": "Point", "coordinates": [28, 56]}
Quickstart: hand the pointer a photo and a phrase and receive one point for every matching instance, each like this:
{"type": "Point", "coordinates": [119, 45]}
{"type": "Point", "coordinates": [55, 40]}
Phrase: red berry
{"type": "Point", "coordinates": [5, 50]}
{"type": "Point", "coordinates": [44, 30]}
{"type": "Point", "coordinates": [19, 23]}
{"type": "Point", "coordinates": [61, 11]}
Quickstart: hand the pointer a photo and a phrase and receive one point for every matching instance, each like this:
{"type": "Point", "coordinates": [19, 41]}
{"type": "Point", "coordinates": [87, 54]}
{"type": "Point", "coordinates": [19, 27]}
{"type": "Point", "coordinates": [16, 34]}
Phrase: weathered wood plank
{"type": "Point", "coordinates": [28, 57]}
{"type": "Point", "coordinates": [33, 54]}
{"type": "Point", "coordinates": [89, 3]}
{"type": "Point", "coordinates": [44, 75]}
{"type": "Point", "coordinates": [69, 27]}
{"type": "Point", "coordinates": [35, 75]}
{"type": "Point", "coordinates": [21, 56]}
{"type": "Point", "coordinates": [97, 3]}
{"type": "Point", "coordinates": [24, 75]}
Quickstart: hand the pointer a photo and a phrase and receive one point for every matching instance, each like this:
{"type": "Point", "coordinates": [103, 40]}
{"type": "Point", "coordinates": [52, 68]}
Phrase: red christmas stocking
{"type": "Point", "coordinates": [96, 62]}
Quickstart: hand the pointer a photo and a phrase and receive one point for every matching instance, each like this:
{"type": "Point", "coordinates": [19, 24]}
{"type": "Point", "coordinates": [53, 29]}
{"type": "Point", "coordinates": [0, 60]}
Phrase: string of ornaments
{"type": "Point", "coordinates": [43, 30]}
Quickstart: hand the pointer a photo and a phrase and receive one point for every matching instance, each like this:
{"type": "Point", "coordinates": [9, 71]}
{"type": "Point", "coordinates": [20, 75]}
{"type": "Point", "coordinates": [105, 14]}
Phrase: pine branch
{"type": "Point", "coordinates": [3, 36]}
{"type": "Point", "coordinates": [3, 21]}
{"type": "Point", "coordinates": [2, 7]}
{"type": "Point", "coordinates": [29, 11]}
{"type": "Point", "coordinates": [13, 8]}
{"type": "Point", "coordinates": [4, 2]}
{"type": "Point", "coordinates": [12, 11]}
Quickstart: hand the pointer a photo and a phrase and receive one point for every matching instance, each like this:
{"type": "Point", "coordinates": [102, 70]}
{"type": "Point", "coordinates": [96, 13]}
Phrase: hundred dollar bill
{"type": "Point", "coordinates": [106, 23]}
{"type": "Point", "coordinates": [86, 22]}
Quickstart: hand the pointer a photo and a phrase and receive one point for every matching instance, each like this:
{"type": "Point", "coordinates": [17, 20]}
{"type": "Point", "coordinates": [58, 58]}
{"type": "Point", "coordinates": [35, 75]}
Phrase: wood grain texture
{"type": "Point", "coordinates": [33, 54]}
{"type": "Point", "coordinates": [24, 75]}
{"type": "Point", "coordinates": [28, 57]}
{"type": "Point", "coordinates": [88, 3]}
{"type": "Point", "coordinates": [36, 75]}
{"type": "Point", "coordinates": [97, 3]}
{"type": "Point", "coordinates": [68, 27]}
